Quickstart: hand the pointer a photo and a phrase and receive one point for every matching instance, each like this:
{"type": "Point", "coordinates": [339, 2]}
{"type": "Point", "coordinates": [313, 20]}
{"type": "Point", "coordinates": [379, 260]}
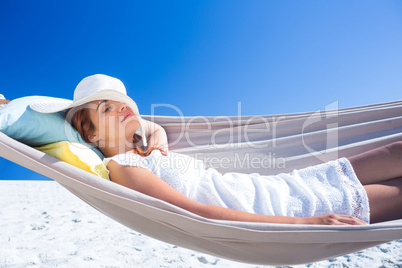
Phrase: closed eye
{"type": "Point", "coordinates": [109, 108]}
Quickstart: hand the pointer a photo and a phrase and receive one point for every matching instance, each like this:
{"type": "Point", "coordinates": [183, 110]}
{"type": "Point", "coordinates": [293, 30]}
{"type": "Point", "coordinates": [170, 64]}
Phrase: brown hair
{"type": "Point", "coordinates": [79, 119]}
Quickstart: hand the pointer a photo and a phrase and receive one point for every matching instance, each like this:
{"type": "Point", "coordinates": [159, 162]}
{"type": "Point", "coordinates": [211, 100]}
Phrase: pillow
{"type": "Point", "coordinates": [20, 122]}
{"type": "Point", "coordinates": [77, 155]}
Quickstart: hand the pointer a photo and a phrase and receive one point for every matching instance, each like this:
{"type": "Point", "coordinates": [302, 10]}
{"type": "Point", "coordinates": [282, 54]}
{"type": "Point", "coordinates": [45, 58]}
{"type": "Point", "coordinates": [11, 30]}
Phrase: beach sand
{"type": "Point", "coordinates": [44, 225]}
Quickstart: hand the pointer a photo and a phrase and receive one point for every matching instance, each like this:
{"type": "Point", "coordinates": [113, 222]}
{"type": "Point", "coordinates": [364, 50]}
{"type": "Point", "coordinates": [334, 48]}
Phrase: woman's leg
{"type": "Point", "coordinates": [380, 171]}
{"type": "Point", "coordinates": [378, 165]}
{"type": "Point", "coordinates": [385, 200]}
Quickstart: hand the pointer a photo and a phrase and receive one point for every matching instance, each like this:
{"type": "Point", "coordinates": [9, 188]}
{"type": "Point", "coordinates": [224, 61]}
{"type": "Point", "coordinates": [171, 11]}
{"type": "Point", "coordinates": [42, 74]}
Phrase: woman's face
{"type": "Point", "coordinates": [115, 123]}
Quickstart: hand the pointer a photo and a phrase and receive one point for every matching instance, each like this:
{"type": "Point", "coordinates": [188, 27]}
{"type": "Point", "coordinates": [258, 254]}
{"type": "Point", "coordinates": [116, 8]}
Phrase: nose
{"type": "Point", "coordinates": [122, 106]}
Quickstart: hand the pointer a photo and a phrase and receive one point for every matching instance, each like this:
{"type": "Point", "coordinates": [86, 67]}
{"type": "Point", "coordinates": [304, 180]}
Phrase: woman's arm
{"type": "Point", "coordinates": [144, 181]}
{"type": "Point", "coordinates": [156, 135]}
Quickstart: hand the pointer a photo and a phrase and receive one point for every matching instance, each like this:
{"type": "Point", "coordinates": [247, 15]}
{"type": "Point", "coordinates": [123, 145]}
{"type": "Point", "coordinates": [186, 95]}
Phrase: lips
{"type": "Point", "coordinates": [127, 116]}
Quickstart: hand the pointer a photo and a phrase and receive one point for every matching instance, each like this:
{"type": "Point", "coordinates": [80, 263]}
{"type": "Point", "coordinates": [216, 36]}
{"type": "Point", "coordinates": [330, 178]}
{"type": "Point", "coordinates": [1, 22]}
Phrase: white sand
{"type": "Point", "coordinates": [44, 225]}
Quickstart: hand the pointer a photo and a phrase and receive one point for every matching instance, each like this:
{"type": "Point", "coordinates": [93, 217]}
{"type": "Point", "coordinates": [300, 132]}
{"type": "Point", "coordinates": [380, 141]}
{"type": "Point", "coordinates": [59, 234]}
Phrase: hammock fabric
{"type": "Point", "coordinates": [265, 144]}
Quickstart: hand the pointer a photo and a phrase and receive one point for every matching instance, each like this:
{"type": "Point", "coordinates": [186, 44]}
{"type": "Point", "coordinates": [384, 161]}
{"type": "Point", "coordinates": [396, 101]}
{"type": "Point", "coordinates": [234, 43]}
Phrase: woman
{"type": "Point", "coordinates": [366, 187]}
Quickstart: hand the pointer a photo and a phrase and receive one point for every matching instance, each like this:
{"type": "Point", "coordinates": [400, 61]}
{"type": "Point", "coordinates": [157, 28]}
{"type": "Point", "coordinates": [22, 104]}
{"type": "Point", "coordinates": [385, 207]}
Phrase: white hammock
{"type": "Point", "coordinates": [298, 139]}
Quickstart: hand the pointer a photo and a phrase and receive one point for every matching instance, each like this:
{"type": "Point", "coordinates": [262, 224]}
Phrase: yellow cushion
{"type": "Point", "coordinates": [77, 155]}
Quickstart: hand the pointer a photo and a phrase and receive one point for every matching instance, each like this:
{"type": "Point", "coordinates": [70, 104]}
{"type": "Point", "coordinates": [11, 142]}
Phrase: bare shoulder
{"type": "Point", "coordinates": [120, 173]}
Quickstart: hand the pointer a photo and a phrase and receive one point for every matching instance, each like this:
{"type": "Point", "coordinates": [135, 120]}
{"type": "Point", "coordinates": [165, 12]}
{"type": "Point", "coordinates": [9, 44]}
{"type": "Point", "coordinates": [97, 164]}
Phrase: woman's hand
{"type": "Point", "coordinates": [160, 147]}
{"type": "Point", "coordinates": [332, 219]}
{"type": "Point", "coordinates": [155, 143]}
{"type": "Point", "coordinates": [156, 136]}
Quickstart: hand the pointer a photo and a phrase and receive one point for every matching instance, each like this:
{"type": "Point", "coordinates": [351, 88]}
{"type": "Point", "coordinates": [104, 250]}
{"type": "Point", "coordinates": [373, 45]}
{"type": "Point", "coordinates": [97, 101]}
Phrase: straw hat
{"type": "Point", "coordinates": [91, 88]}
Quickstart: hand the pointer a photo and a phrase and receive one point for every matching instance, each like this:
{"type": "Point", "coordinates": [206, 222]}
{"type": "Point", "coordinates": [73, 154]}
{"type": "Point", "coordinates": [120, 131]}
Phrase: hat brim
{"type": "Point", "coordinates": [54, 105]}
{"type": "Point", "coordinates": [50, 105]}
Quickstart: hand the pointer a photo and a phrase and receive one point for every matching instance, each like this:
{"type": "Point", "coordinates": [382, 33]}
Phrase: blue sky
{"type": "Point", "coordinates": [204, 56]}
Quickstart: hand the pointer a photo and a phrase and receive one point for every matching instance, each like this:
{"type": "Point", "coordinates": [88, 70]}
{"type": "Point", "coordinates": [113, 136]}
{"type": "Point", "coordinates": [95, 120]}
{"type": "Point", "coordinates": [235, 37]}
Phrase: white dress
{"type": "Point", "coordinates": [330, 187]}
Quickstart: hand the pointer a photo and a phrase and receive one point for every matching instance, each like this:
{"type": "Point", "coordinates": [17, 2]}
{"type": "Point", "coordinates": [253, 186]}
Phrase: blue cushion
{"type": "Point", "coordinates": [20, 122]}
